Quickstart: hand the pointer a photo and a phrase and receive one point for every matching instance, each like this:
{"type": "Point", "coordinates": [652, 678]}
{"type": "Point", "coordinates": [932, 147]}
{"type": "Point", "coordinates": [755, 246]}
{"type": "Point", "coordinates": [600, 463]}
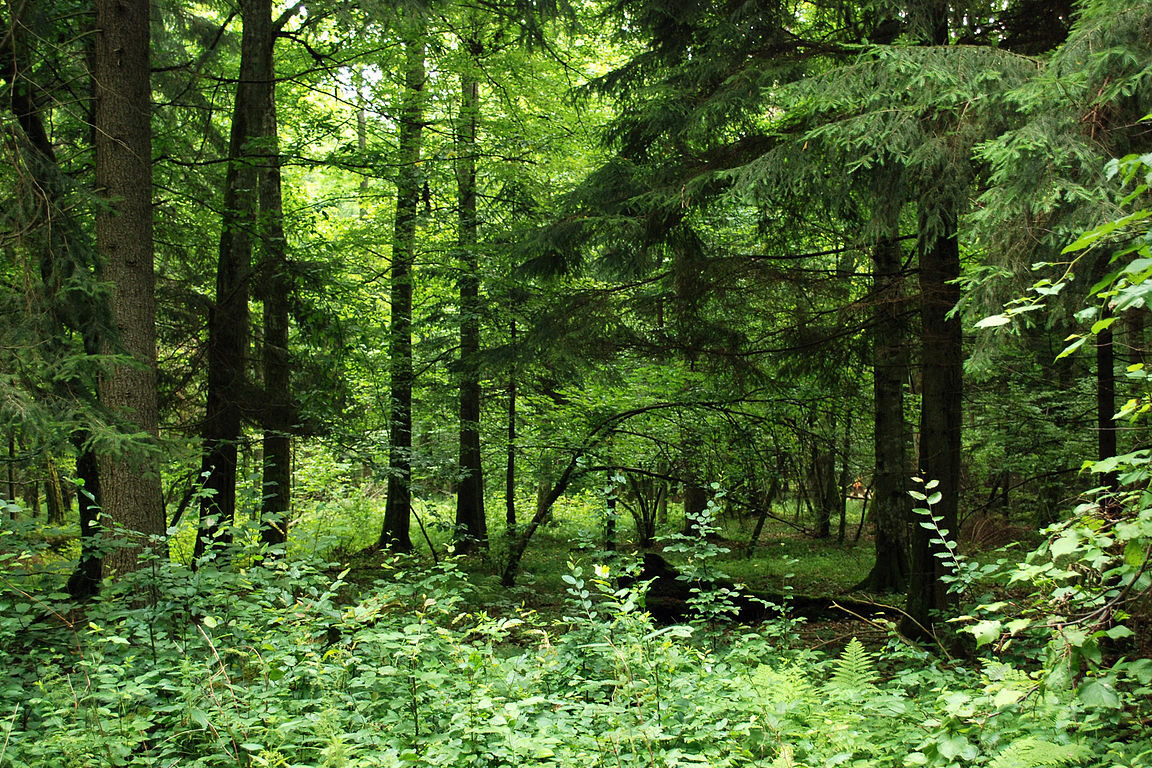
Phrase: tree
{"type": "Point", "coordinates": [228, 320]}
{"type": "Point", "coordinates": [471, 525]}
{"type": "Point", "coordinates": [398, 510]}
{"type": "Point", "coordinates": [129, 484]}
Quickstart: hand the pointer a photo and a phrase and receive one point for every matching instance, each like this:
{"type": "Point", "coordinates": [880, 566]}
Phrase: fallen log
{"type": "Point", "coordinates": [671, 598]}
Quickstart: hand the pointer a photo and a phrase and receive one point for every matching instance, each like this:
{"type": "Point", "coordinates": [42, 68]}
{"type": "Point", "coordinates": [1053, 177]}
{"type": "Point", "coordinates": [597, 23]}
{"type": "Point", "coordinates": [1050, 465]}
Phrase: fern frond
{"type": "Point", "coordinates": [854, 669]}
{"type": "Point", "coordinates": [1034, 753]}
{"type": "Point", "coordinates": [784, 759]}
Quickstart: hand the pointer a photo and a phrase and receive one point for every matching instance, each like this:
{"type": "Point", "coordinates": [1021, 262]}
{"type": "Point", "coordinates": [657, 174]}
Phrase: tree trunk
{"type": "Point", "coordinates": [510, 462]}
{"type": "Point", "coordinates": [941, 361]}
{"type": "Point", "coordinates": [1106, 445]}
{"type": "Point", "coordinates": [130, 482]}
{"type": "Point", "coordinates": [395, 533]}
{"type": "Point", "coordinates": [890, 501]}
{"type": "Point", "coordinates": [276, 485]}
{"type": "Point", "coordinates": [85, 580]}
{"type": "Point", "coordinates": [228, 320]}
{"type": "Point", "coordinates": [510, 465]}
{"type": "Point", "coordinates": [471, 526]}
{"type": "Point", "coordinates": [824, 486]}
{"type": "Point", "coordinates": [695, 502]}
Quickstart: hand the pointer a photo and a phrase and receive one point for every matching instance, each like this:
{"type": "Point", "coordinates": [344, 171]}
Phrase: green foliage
{"type": "Point", "coordinates": [285, 664]}
{"type": "Point", "coordinates": [854, 669]}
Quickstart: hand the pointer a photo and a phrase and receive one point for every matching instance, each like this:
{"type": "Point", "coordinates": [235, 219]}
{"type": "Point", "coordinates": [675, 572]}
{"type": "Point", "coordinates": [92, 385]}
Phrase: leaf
{"type": "Point", "coordinates": [1099, 693]}
{"type": "Point", "coordinates": [1102, 325]}
{"type": "Point", "coordinates": [994, 321]}
{"type": "Point", "coordinates": [1066, 544]}
{"type": "Point", "coordinates": [985, 632]}
{"type": "Point", "coordinates": [1072, 347]}
{"type": "Point", "coordinates": [952, 746]}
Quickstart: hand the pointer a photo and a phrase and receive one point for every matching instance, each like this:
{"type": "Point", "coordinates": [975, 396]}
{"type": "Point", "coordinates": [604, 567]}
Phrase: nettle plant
{"type": "Point", "coordinates": [1091, 580]}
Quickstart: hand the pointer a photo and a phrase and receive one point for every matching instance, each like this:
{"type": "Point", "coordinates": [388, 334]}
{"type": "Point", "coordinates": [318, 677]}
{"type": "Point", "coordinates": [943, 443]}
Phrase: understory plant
{"type": "Point", "coordinates": [255, 662]}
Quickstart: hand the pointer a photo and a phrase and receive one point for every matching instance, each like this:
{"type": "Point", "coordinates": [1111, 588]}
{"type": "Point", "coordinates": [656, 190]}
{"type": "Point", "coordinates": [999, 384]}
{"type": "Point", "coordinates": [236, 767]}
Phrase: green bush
{"type": "Point", "coordinates": [273, 664]}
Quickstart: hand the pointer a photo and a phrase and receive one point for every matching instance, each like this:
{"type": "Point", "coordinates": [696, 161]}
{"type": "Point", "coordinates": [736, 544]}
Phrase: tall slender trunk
{"type": "Point", "coordinates": [228, 319]}
{"type": "Point", "coordinates": [471, 525]}
{"type": "Point", "coordinates": [1106, 443]}
{"type": "Point", "coordinates": [941, 361]}
{"type": "Point", "coordinates": [890, 501]}
{"type": "Point", "coordinates": [85, 580]}
{"type": "Point", "coordinates": [510, 463]}
{"type": "Point", "coordinates": [395, 533]}
{"type": "Point", "coordinates": [276, 485]}
{"type": "Point", "coordinates": [130, 483]}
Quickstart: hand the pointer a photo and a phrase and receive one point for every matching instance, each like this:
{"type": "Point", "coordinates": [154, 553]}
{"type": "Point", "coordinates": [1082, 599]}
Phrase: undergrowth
{"type": "Point", "coordinates": [272, 664]}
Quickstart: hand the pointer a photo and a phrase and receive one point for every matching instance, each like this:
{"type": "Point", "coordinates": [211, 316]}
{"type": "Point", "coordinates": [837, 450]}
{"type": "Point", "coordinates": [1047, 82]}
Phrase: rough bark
{"type": "Point", "coordinates": [396, 531]}
{"type": "Point", "coordinates": [228, 319]}
{"type": "Point", "coordinates": [276, 503]}
{"type": "Point", "coordinates": [890, 500]}
{"type": "Point", "coordinates": [130, 479]}
{"type": "Point", "coordinates": [471, 526]}
{"type": "Point", "coordinates": [941, 361]}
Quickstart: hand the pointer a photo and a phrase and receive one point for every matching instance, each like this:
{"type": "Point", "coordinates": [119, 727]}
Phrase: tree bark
{"type": "Point", "coordinates": [471, 525]}
{"type": "Point", "coordinates": [228, 319]}
{"type": "Point", "coordinates": [890, 500]}
{"type": "Point", "coordinates": [276, 485]}
{"type": "Point", "coordinates": [941, 361]}
{"type": "Point", "coordinates": [130, 480]}
{"type": "Point", "coordinates": [396, 531]}
{"type": "Point", "coordinates": [510, 460]}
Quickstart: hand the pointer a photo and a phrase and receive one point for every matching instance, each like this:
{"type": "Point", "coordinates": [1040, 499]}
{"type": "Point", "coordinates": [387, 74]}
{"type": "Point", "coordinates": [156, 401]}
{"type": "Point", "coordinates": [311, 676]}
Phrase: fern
{"type": "Point", "coordinates": [1031, 752]}
{"type": "Point", "coordinates": [854, 669]}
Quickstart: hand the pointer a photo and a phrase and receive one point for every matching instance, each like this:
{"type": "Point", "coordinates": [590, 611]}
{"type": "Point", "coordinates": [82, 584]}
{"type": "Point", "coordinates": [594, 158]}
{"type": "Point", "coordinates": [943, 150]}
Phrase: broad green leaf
{"type": "Point", "coordinates": [985, 632]}
{"type": "Point", "coordinates": [1102, 325]}
{"type": "Point", "coordinates": [1099, 693]}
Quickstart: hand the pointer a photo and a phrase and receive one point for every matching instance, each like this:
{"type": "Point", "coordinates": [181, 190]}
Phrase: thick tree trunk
{"type": "Point", "coordinates": [395, 533]}
{"type": "Point", "coordinates": [890, 500]}
{"type": "Point", "coordinates": [471, 526]}
{"type": "Point", "coordinates": [130, 482]}
{"type": "Point", "coordinates": [941, 361]}
{"type": "Point", "coordinates": [824, 486]}
{"type": "Point", "coordinates": [695, 502]}
{"type": "Point", "coordinates": [228, 320]}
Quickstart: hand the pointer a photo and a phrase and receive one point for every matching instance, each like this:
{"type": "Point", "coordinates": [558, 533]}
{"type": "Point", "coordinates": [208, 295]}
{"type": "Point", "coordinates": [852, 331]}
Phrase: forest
{"type": "Point", "coordinates": [576, 383]}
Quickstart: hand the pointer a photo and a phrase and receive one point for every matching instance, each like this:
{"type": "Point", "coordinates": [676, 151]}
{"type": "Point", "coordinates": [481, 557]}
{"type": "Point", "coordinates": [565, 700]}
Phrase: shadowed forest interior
{"type": "Point", "coordinates": [575, 382]}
